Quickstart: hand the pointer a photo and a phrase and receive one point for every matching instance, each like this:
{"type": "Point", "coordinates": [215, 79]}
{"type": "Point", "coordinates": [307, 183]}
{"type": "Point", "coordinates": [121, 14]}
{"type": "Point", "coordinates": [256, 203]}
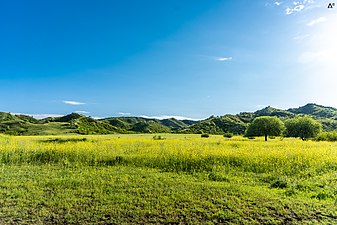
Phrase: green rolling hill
{"type": "Point", "coordinates": [75, 123]}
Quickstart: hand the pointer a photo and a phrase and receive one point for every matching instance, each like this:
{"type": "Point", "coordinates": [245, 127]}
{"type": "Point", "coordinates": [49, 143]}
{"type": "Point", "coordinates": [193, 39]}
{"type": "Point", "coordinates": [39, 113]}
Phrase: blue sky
{"type": "Point", "coordinates": [186, 58]}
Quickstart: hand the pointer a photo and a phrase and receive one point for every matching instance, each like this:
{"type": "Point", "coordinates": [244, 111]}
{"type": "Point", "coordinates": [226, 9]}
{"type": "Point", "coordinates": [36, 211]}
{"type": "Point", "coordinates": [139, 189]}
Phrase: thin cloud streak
{"type": "Point", "coordinates": [39, 116]}
{"type": "Point", "coordinates": [316, 21]}
{"type": "Point", "coordinates": [222, 59]}
{"type": "Point", "coordinates": [73, 102]}
{"type": "Point", "coordinates": [169, 117]}
{"type": "Point", "coordinates": [82, 112]}
{"type": "Point", "coordinates": [124, 113]}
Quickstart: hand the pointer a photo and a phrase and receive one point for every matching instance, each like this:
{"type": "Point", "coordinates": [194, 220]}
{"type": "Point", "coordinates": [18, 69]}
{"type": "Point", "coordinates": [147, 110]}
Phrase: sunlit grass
{"type": "Point", "coordinates": [186, 153]}
{"type": "Point", "coordinates": [177, 179]}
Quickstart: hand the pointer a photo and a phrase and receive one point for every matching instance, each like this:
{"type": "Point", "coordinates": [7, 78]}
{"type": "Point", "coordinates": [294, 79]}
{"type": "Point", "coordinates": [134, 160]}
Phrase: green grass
{"type": "Point", "coordinates": [180, 179]}
{"type": "Point", "coordinates": [86, 195]}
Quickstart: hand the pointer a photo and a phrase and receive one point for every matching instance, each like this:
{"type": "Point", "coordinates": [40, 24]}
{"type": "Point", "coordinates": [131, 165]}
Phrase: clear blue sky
{"type": "Point", "coordinates": [166, 58]}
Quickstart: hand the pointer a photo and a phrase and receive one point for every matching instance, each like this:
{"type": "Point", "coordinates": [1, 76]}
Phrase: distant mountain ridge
{"type": "Point", "coordinates": [81, 124]}
{"type": "Point", "coordinates": [316, 110]}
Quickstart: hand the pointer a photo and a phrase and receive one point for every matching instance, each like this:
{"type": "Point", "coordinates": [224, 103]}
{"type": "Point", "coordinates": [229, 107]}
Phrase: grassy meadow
{"type": "Point", "coordinates": [172, 179]}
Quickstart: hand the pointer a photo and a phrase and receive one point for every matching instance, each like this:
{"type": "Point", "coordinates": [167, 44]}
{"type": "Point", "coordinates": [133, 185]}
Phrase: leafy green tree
{"type": "Point", "coordinates": [265, 126]}
{"type": "Point", "coordinates": [304, 127]}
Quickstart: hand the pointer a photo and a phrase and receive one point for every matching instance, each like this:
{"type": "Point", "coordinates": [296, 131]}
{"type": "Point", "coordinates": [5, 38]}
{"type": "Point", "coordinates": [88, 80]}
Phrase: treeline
{"type": "Point", "coordinates": [303, 127]}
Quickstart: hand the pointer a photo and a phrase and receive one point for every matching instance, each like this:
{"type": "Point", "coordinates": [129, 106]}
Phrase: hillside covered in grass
{"type": "Point", "coordinates": [75, 123]}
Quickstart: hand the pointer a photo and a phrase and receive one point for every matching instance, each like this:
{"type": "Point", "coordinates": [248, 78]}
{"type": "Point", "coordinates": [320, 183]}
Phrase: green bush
{"type": "Point", "coordinates": [327, 136]}
{"type": "Point", "coordinates": [228, 135]}
{"type": "Point", "coordinates": [205, 135]}
{"type": "Point", "coordinates": [63, 140]}
{"type": "Point", "coordinates": [158, 137]}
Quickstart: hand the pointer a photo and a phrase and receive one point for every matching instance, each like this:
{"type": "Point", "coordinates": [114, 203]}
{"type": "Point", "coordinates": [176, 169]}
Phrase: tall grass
{"type": "Point", "coordinates": [179, 153]}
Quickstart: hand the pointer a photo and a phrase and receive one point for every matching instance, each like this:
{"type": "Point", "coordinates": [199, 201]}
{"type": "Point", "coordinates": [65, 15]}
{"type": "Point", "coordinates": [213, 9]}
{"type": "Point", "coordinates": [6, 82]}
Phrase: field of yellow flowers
{"type": "Point", "coordinates": [172, 178]}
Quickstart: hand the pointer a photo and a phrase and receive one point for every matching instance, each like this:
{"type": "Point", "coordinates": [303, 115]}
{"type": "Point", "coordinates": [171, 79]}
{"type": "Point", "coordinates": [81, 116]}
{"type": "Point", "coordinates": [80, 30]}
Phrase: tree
{"type": "Point", "coordinates": [265, 126]}
{"type": "Point", "coordinates": [304, 127]}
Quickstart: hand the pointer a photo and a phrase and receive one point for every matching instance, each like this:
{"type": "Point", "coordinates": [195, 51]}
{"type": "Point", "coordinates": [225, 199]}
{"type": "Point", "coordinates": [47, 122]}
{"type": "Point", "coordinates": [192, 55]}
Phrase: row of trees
{"type": "Point", "coordinates": [304, 127]}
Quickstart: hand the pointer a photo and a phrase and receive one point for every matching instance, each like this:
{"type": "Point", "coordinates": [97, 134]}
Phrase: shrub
{"type": "Point", "coordinates": [158, 137]}
{"type": "Point", "coordinates": [327, 136]}
{"type": "Point", "coordinates": [63, 140]}
{"type": "Point", "coordinates": [228, 135]}
{"type": "Point", "coordinates": [205, 135]}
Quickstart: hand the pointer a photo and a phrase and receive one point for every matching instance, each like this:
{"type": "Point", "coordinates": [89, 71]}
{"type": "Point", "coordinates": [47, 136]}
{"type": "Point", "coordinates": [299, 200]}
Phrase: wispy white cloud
{"type": "Point", "coordinates": [214, 57]}
{"type": "Point", "coordinates": [73, 102]}
{"type": "Point", "coordinates": [261, 106]}
{"type": "Point", "coordinates": [293, 7]}
{"type": "Point", "coordinates": [222, 59]}
{"type": "Point", "coordinates": [300, 5]}
{"type": "Point", "coordinates": [82, 112]}
{"type": "Point", "coordinates": [39, 116]}
{"type": "Point", "coordinates": [168, 117]}
{"type": "Point", "coordinates": [316, 21]}
{"type": "Point", "coordinates": [308, 1]}
{"type": "Point", "coordinates": [273, 4]}
{"type": "Point", "coordinates": [296, 8]}
{"type": "Point", "coordinates": [124, 113]}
